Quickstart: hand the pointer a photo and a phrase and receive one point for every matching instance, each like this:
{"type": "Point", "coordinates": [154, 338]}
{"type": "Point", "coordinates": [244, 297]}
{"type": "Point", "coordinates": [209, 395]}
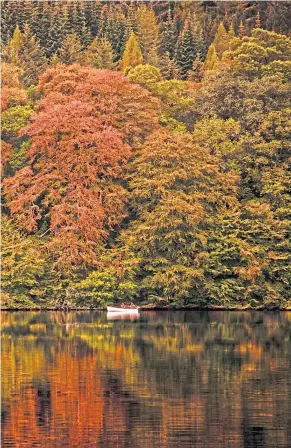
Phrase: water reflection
{"type": "Point", "coordinates": [189, 379]}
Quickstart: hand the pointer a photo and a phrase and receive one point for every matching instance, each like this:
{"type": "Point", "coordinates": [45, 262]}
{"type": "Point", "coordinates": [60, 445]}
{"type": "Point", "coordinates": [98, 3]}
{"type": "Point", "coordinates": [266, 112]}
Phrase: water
{"type": "Point", "coordinates": [169, 379]}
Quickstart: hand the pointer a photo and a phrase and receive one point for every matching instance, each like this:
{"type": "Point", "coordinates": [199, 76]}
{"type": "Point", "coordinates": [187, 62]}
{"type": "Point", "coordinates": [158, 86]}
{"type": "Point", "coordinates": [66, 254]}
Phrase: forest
{"type": "Point", "coordinates": [146, 154]}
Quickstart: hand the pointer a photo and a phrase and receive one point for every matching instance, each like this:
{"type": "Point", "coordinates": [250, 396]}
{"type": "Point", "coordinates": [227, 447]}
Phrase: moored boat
{"type": "Point", "coordinates": [112, 309]}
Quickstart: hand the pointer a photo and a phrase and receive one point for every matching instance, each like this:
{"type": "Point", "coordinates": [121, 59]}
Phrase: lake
{"type": "Point", "coordinates": [165, 379]}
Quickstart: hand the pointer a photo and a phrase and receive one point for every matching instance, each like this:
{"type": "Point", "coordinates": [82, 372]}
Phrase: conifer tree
{"type": "Point", "coordinates": [186, 52]}
{"type": "Point", "coordinates": [211, 58]}
{"type": "Point", "coordinates": [24, 50]}
{"type": "Point", "coordinates": [197, 72]}
{"type": "Point", "coordinates": [169, 36]}
{"type": "Point", "coordinates": [11, 51]}
{"type": "Point", "coordinates": [221, 40]}
{"type": "Point", "coordinates": [132, 55]}
{"type": "Point", "coordinates": [100, 55]}
{"type": "Point", "coordinates": [115, 33]}
{"type": "Point", "coordinates": [241, 29]}
{"type": "Point", "coordinates": [131, 26]}
{"type": "Point", "coordinates": [231, 33]}
{"type": "Point", "coordinates": [168, 67]}
{"type": "Point", "coordinates": [148, 34]}
{"type": "Point", "coordinates": [70, 50]}
{"type": "Point", "coordinates": [258, 20]}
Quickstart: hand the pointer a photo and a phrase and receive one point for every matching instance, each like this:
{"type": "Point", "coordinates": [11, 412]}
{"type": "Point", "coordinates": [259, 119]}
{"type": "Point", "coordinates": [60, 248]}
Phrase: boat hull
{"type": "Point", "coordinates": [112, 309]}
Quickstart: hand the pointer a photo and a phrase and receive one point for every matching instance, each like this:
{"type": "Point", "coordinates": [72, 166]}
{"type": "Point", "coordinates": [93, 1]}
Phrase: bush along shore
{"type": "Point", "coordinates": [150, 166]}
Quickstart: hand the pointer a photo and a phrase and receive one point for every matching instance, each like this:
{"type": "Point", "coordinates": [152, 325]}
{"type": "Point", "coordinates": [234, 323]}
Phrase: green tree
{"type": "Point", "coordinates": [176, 191]}
{"type": "Point", "coordinates": [145, 75]}
{"type": "Point", "coordinates": [23, 264]}
{"type": "Point", "coordinates": [70, 50]}
{"type": "Point", "coordinates": [186, 52]}
{"type": "Point", "coordinates": [100, 55]}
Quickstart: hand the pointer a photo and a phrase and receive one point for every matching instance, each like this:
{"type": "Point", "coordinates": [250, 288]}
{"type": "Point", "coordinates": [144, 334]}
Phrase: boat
{"type": "Point", "coordinates": [112, 309]}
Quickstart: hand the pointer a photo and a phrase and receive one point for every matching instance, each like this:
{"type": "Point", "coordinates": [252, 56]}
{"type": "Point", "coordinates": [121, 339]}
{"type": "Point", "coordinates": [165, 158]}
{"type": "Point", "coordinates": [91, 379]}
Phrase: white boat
{"type": "Point", "coordinates": [112, 309]}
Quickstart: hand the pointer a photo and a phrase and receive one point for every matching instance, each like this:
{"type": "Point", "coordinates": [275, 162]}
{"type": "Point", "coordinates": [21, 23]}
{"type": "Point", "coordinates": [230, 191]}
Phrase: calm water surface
{"type": "Point", "coordinates": [167, 379]}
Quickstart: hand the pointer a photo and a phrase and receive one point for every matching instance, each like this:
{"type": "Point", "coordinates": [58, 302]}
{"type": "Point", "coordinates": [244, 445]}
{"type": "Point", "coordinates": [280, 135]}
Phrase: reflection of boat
{"type": "Point", "coordinates": [112, 309]}
{"type": "Point", "coordinates": [123, 316]}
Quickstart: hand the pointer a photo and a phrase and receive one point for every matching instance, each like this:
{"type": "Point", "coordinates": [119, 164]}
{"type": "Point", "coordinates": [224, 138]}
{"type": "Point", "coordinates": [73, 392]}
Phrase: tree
{"type": "Point", "coordinates": [80, 138]}
{"type": "Point", "coordinates": [168, 67]}
{"type": "Point", "coordinates": [186, 52]}
{"type": "Point", "coordinates": [263, 52]}
{"type": "Point", "coordinates": [148, 34]}
{"type": "Point", "coordinates": [132, 55]}
{"type": "Point", "coordinates": [176, 191]}
{"type": "Point", "coordinates": [13, 92]}
{"type": "Point", "coordinates": [197, 72]}
{"type": "Point", "coordinates": [145, 75]}
{"type": "Point", "coordinates": [169, 36]}
{"type": "Point", "coordinates": [100, 55]}
{"type": "Point", "coordinates": [70, 50]}
{"type": "Point", "coordinates": [221, 40]}
{"type": "Point", "coordinates": [24, 50]}
{"type": "Point", "coordinates": [211, 59]}
{"type": "Point", "coordinates": [23, 264]}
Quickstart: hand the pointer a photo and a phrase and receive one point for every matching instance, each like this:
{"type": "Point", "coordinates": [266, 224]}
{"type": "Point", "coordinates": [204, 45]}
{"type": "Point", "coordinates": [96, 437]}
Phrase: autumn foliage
{"type": "Point", "coordinates": [81, 135]}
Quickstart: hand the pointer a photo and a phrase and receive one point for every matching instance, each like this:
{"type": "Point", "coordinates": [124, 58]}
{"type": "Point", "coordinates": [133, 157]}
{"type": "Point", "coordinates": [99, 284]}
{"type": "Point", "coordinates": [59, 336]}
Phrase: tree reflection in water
{"type": "Point", "coordinates": [203, 379]}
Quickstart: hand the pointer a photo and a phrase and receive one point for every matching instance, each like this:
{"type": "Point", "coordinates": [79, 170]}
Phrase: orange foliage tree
{"type": "Point", "coordinates": [85, 127]}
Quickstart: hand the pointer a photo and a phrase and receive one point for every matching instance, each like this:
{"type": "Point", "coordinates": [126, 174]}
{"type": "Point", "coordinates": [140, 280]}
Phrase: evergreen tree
{"type": "Point", "coordinates": [186, 52]}
{"type": "Point", "coordinates": [11, 52]}
{"type": "Point", "coordinates": [168, 67]}
{"type": "Point", "coordinates": [258, 20]}
{"type": "Point", "coordinates": [132, 55]}
{"type": "Point", "coordinates": [197, 72]}
{"type": "Point", "coordinates": [241, 29]}
{"type": "Point", "coordinates": [169, 36]}
{"type": "Point", "coordinates": [115, 33]}
{"type": "Point", "coordinates": [211, 58]}
{"type": "Point", "coordinates": [70, 50]}
{"type": "Point", "coordinates": [231, 33]}
{"type": "Point", "coordinates": [25, 51]}
{"type": "Point", "coordinates": [221, 40]}
{"type": "Point", "coordinates": [148, 34]}
{"type": "Point", "coordinates": [100, 55]}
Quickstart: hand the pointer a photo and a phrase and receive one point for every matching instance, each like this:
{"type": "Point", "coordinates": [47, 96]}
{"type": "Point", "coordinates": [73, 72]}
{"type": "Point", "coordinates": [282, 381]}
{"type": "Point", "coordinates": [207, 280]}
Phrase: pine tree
{"type": "Point", "coordinates": [132, 55]}
{"type": "Point", "coordinates": [115, 33]}
{"type": "Point", "coordinates": [169, 36]}
{"type": "Point", "coordinates": [70, 50]}
{"type": "Point", "coordinates": [186, 52]}
{"type": "Point", "coordinates": [211, 59]}
{"type": "Point", "coordinates": [11, 52]}
{"type": "Point", "coordinates": [231, 33]}
{"type": "Point", "coordinates": [168, 67]}
{"type": "Point", "coordinates": [197, 72]}
{"type": "Point", "coordinates": [24, 50]}
{"type": "Point", "coordinates": [241, 29]}
{"type": "Point", "coordinates": [148, 34]}
{"type": "Point", "coordinates": [221, 40]}
{"type": "Point", "coordinates": [100, 55]}
{"type": "Point", "coordinates": [258, 20]}
{"type": "Point", "coordinates": [56, 33]}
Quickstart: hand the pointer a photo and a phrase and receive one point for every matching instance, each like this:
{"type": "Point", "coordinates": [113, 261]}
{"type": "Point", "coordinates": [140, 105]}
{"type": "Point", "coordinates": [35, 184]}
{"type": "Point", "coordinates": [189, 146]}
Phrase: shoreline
{"type": "Point", "coordinates": [145, 308]}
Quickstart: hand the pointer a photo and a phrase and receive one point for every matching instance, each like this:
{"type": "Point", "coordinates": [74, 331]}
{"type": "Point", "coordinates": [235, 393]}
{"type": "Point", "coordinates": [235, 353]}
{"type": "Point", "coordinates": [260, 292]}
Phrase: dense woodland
{"type": "Point", "coordinates": [146, 154]}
